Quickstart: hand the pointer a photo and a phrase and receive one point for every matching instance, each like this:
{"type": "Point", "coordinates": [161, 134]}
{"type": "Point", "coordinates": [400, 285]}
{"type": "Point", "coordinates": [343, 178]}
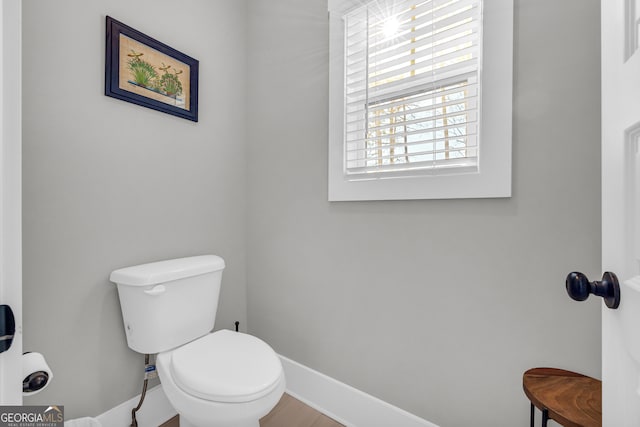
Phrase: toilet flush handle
{"type": "Point", "coordinates": [156, 290]}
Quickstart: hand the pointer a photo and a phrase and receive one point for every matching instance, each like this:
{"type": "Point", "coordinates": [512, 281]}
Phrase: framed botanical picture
{"type": "Point", "coordinates": [144, 71]}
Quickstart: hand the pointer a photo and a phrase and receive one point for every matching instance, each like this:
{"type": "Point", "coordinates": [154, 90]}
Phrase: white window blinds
{"type": "Point", "coordinates": [411, 87]}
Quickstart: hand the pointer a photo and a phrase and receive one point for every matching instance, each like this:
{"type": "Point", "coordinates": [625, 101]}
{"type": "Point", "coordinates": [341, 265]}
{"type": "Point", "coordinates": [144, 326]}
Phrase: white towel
{"type": "Point", "coordinates": [82, 422]}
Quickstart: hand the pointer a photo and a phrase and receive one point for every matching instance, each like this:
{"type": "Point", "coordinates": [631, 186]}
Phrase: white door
{"type": "Point", "coordinates": [621, 209]}
{"type": "Point", "coordinates": [10, 196]}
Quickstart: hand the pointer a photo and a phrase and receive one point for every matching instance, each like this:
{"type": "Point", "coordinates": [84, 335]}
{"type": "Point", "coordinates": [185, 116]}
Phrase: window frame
{"type": "Point", "coordinates": [493, 175]}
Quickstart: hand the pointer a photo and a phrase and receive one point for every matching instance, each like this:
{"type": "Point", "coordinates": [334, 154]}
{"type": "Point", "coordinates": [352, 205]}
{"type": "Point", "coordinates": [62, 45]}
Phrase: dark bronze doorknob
{"type": "Point", "coordinates": [579, 288]}
{"type": "Point", "coordinates": [7, 327]}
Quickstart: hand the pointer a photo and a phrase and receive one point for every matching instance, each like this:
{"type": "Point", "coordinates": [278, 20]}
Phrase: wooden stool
{"type": "Point", "coordinates": [571, 399]}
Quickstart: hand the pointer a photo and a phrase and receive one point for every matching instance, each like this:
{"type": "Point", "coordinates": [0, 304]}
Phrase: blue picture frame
{"type": "Point", "coordinates": [144, 71]}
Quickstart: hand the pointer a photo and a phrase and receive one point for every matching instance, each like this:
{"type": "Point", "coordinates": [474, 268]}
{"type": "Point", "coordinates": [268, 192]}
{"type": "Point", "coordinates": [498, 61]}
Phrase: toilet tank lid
{"type": "Point", "coordinates": [166, 271]}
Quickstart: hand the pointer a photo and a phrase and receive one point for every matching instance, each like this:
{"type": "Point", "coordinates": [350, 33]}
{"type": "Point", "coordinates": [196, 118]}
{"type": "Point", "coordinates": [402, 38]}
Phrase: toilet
{"type": "Point", "coordinates": [212, 379]}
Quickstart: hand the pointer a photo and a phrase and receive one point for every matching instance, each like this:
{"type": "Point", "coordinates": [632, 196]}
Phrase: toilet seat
{"type": "Point", "coordinates": [226, 366]}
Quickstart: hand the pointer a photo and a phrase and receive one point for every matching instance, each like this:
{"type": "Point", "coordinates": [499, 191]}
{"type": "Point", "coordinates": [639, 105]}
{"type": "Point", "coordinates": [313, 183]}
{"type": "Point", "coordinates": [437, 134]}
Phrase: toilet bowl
{"type": "Point", "coordinates": [212, 379]}
{"type": "Point", "coordinates": [222, 379]}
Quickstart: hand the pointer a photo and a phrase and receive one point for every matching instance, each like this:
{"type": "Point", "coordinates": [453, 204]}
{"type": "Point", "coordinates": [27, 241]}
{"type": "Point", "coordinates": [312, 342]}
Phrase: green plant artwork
{"type": "Point", "coordinates": [145, 75]}
{"type": "Point", "coordinates": [169, 82]}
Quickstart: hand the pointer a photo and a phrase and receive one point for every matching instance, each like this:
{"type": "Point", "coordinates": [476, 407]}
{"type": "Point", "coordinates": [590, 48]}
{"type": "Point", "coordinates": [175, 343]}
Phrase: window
{"type": "Point", "coordinates": [415, 107]}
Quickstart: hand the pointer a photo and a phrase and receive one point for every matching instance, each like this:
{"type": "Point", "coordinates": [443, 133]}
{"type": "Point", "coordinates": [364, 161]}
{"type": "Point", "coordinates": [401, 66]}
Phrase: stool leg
{"type": "Point", "coordinates": [533, 414]}
{"type": "Point", "coordinates": [545, 417]}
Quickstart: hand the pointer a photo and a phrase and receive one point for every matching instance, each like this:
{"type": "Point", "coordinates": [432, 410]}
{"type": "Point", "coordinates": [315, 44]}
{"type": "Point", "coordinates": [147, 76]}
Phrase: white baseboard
{"type": "Point", "coordinates": [343, 403]}
{"type": "Point", "coordinates": [155, 410]}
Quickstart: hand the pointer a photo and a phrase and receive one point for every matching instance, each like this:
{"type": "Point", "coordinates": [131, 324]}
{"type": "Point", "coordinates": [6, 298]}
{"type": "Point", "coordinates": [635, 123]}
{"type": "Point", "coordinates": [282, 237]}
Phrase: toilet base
{"type": "Point", "coordinates": [185, 423]}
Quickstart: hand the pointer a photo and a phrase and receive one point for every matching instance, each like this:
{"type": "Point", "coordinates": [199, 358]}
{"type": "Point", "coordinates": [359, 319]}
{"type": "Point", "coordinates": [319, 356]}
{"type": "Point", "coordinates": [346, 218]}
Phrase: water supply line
{"type": "Point", "coordinates": [148, 369]}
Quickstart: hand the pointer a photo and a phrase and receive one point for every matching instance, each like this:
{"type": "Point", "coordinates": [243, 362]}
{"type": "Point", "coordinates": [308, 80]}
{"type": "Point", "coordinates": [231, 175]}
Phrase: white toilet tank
{"type": "Point", "coordinates": [168, 303]}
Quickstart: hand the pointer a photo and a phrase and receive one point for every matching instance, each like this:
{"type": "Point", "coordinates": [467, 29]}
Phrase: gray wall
{"type": "Point", "coordinates": [436, 306]}
{"type": "Point", "coordinates": [109, 184]}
